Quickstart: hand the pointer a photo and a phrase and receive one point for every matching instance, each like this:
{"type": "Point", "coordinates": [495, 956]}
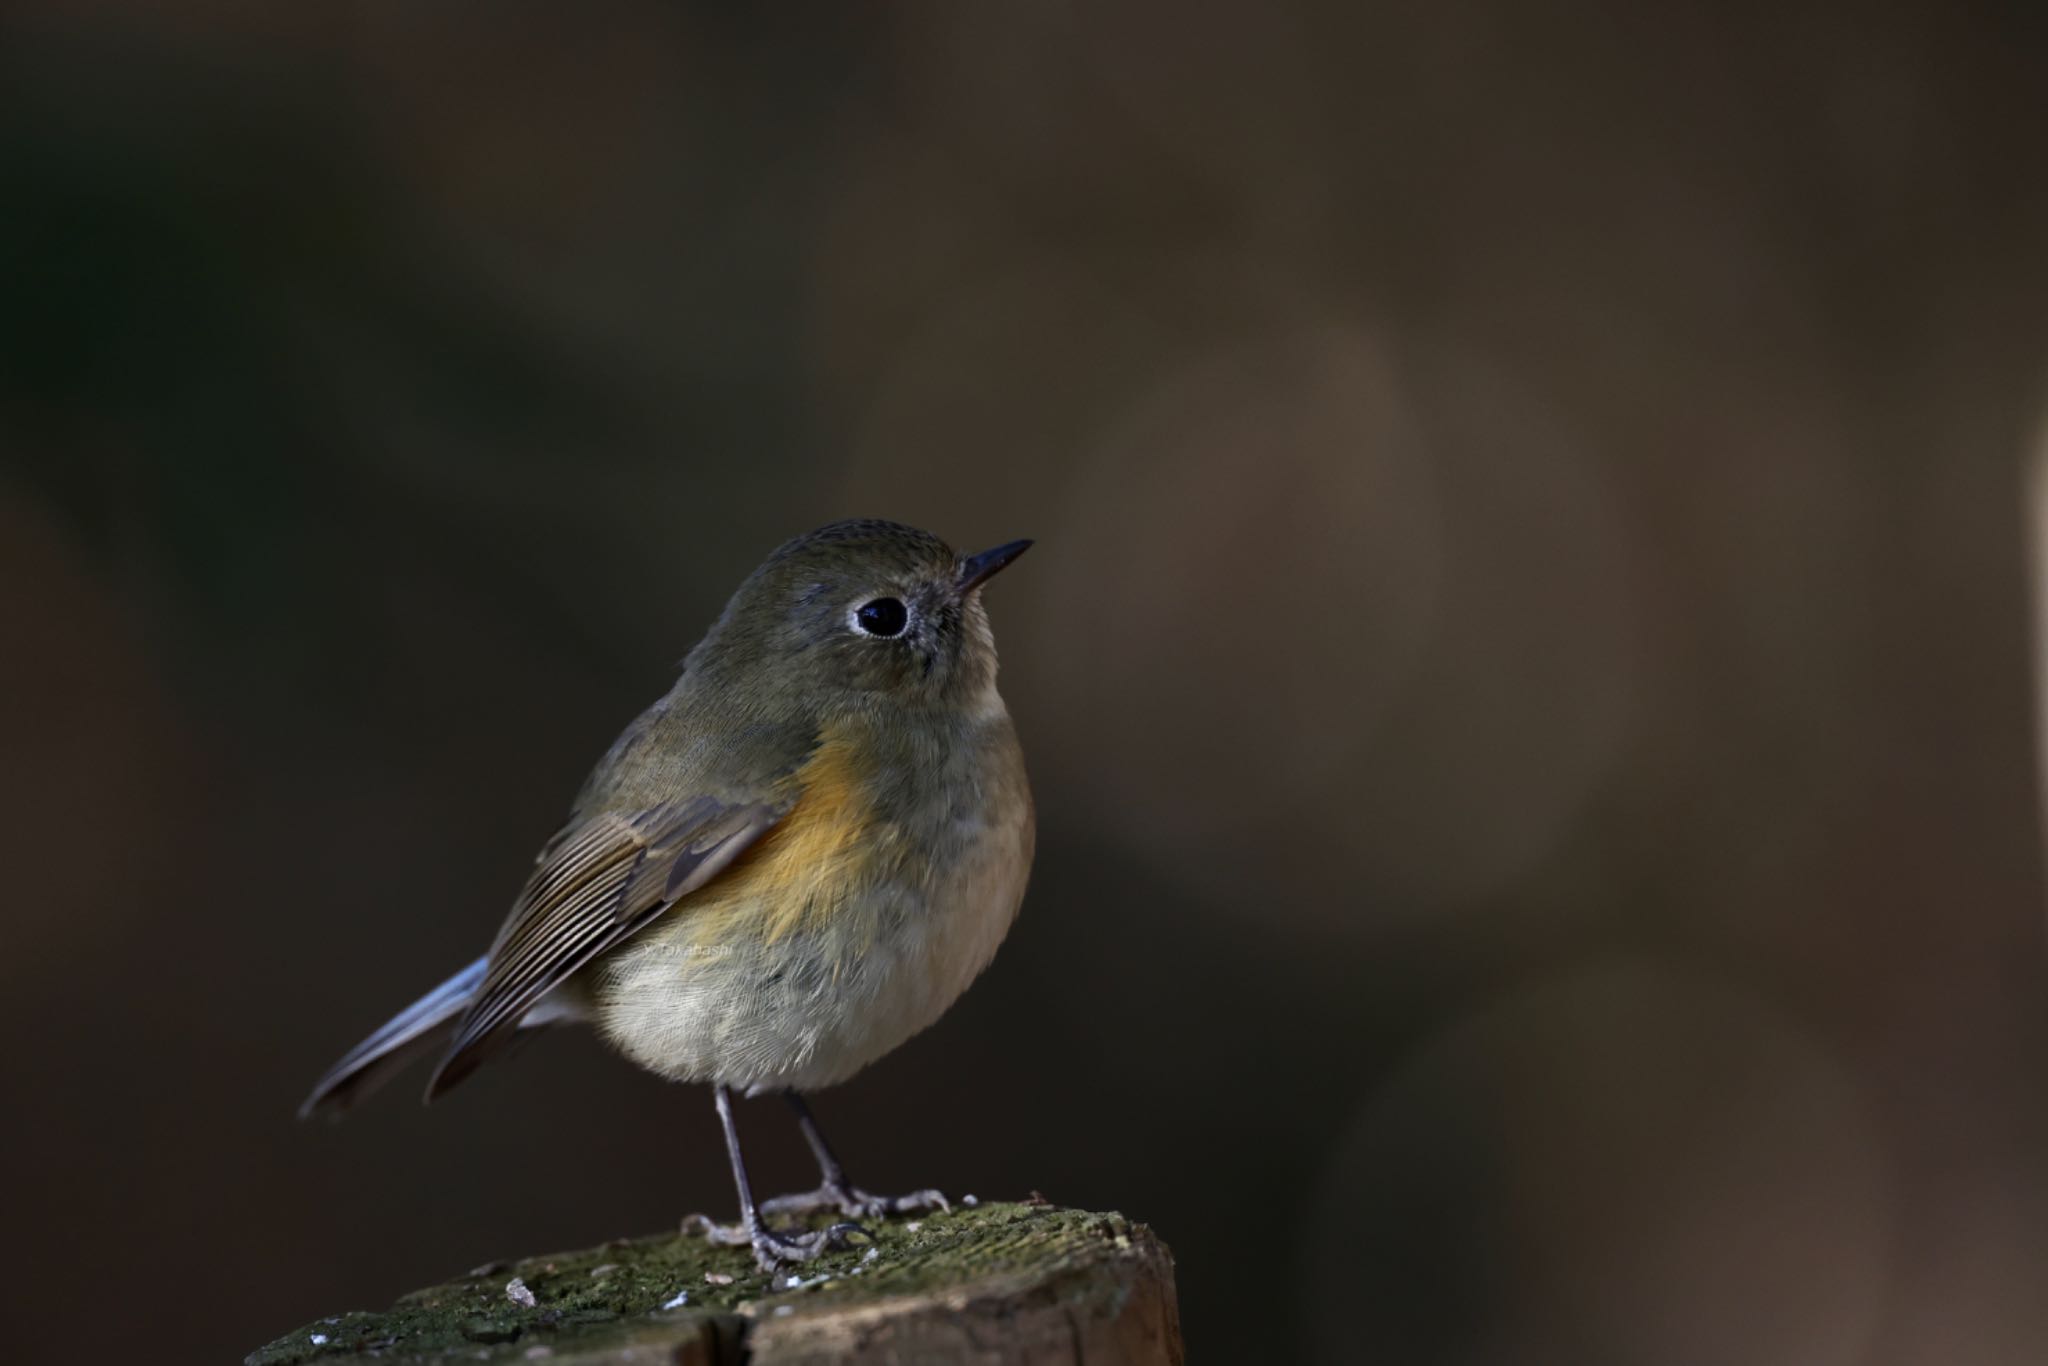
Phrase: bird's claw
{"type": "Point", "coordinates": [718, 1235]}
{"type": "Point", "coordinates": [776, 1248]}
{"type": "Point", "coordinates": [855, 1203]}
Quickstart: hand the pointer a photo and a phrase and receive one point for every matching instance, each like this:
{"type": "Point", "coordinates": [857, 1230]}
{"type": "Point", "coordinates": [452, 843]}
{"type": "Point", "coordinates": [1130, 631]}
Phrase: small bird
{"type": "Point", "coordinates": [790, 864]}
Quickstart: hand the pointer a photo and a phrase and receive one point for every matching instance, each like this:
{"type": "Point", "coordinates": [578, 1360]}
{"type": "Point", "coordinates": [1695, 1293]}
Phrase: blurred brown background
{"type": "Point", "coordinates": [1525, 668]}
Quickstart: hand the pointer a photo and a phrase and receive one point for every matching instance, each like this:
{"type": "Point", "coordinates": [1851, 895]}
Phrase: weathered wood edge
{"type": "Point", "coordinates": [997, 1283]}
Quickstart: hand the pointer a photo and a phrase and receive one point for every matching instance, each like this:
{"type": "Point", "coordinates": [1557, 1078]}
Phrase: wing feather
{"type": "Point", "coordinates": [597, 884]}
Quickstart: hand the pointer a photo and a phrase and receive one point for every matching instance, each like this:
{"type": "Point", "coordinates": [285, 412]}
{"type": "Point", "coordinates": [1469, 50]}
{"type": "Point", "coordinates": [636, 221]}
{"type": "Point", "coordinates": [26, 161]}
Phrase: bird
{"type": "Point", "coordinates": [796, 859]}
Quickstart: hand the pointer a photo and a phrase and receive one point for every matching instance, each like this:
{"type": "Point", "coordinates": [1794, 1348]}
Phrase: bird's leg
{"type": "Point", "coordinates": [773, 1248]}
{"type": "Point", "coordinates": [834, 1190]}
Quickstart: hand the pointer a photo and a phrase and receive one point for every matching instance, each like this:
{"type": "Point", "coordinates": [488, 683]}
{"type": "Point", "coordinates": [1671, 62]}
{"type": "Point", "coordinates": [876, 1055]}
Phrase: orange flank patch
{"type": "Point", "coordinates": [796, 876]}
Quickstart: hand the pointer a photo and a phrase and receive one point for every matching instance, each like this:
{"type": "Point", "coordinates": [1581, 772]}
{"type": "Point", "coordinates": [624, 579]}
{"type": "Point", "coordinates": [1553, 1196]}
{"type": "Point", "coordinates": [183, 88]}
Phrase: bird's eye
{"type": "Point", "coordinates": [882, 617]}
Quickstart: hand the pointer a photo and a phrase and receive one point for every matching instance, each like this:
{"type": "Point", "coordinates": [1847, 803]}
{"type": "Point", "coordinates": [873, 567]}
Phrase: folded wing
{"type": "Point", "coordinates": [599, 882]}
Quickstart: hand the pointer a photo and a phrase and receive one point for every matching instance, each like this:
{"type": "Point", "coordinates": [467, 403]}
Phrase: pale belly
{"type": "Point", "coordinates": [700, 997]}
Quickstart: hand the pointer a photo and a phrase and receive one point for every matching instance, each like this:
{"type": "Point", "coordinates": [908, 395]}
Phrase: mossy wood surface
{"type": "Point", "coordinates": [995, 1284]}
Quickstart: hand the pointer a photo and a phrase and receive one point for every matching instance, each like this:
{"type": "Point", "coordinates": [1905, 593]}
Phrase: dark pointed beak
{"type": "Point", "coordinates": [976, 570]}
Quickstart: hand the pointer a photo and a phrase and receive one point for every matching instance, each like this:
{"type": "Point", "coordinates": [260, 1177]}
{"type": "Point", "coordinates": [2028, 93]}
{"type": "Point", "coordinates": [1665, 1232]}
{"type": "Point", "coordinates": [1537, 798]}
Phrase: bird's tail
{"type": "Point", "coordinates": [419, 1029]}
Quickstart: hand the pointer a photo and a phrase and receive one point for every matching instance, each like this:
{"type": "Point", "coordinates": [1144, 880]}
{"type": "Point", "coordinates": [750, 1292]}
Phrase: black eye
{"type": "Point", "coordinates": [882, 617]}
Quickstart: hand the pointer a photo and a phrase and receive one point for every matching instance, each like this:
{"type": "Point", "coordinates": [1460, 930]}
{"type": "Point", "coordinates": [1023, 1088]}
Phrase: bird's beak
{"type": "Point", "coordinates": [978, 569]}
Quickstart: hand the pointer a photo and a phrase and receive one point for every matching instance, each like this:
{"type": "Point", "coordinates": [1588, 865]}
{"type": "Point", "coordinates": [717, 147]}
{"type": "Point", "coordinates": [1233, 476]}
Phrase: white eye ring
{"type": "Point", "coordinates": [884, 617]}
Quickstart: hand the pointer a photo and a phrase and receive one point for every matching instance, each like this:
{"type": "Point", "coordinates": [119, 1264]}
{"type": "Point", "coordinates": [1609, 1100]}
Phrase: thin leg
{"type": "Point", "coordinates": [722, 1098]}
{"type": "Point", "coordinates": [772, 1247]}
{"type": "Point", "coordinates": [834, 1190]}
{"type": "Point", "coordinates": [828, 1162]}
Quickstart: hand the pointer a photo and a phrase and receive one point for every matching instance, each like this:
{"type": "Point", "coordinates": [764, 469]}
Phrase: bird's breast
{"type": "Point", "coordinates": [850, 926]}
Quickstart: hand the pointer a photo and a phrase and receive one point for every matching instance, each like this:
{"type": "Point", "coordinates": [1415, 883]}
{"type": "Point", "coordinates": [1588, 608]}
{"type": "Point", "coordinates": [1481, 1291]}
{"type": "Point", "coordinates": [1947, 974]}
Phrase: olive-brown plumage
{"type": "Point", "coordinates": [792, 862]}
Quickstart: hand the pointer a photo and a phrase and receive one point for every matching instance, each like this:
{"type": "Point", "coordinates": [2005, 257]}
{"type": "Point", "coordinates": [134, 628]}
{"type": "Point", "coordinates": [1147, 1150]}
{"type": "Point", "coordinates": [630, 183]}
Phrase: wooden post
{"type": "Point", "coordinates": [991, 1285]}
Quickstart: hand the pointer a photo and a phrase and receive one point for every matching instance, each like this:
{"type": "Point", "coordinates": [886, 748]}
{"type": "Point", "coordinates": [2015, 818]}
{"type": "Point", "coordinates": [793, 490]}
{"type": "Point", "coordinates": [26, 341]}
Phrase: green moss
{"type": "Point", "coordinates": [588, 1301]}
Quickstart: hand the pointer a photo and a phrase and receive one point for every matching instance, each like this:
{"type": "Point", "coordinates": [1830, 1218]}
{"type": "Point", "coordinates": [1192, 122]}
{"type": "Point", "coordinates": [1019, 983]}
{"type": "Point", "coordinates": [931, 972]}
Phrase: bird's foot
{"type": "Point", "coordinates": [775, 1248]}
{"type": "Point", "coordinates": [718, 1235]}
{"type": "Point", "coordinates": [855, 1203]}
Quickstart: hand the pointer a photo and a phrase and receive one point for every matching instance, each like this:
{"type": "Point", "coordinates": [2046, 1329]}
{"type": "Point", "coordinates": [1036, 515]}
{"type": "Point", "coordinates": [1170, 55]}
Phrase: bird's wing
{"type": "Point", "coordinates": [597, 884]}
